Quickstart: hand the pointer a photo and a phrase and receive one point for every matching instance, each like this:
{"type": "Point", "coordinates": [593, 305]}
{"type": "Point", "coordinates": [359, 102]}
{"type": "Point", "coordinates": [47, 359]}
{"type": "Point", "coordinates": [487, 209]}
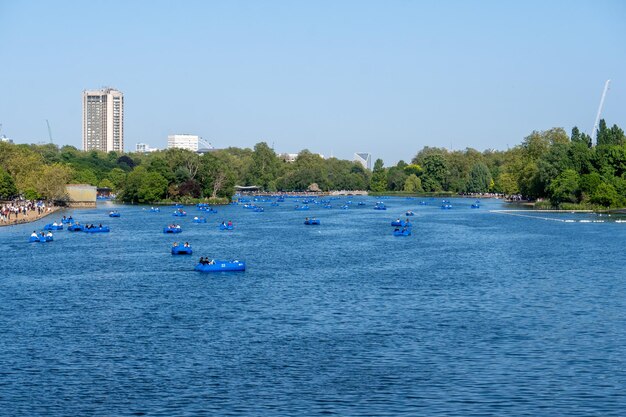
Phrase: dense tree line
{"type": "Point", "coordinates": [566, 169]}
{"type": "Point", "coordinates": [41, 171]}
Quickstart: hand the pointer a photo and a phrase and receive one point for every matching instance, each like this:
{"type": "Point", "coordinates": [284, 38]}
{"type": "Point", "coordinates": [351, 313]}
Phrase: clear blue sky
{"type": "Point", "coordinates": [385, 77]}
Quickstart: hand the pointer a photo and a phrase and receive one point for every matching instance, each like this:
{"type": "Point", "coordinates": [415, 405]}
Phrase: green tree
{"type": "Point", "coordinates": [396, 177]}
{"type": "Point", "coordinates": [84, 176]}
{"type": "Point", "coordinates": [605, 195]}
{"type": "Point", "coordinates": [565, 188]}
{"type": "Point", "coordinates": [379, 177]}
{"type": "Point", "coordinates": [507, 184]}
{"type": "Point", "coordinates": [413, 184]}
{"type": "Point", "coordinates": [265, 167]}
{"type": "Point", "coordinates": [479, 179]}
{"type": "Point", "coordinates": [52, 180]}
{"type": "Point", "coordinates": [8, 189]}
{"type": "Point", "coordinates": [152, 188]}
{"type": "Point", "coordinates": [436, 169]}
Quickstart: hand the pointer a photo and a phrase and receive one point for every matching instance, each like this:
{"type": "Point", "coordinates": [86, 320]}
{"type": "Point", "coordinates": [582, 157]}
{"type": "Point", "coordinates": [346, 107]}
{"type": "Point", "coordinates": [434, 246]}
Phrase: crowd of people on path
{"type": "Point", "coordinates": [24, 210]}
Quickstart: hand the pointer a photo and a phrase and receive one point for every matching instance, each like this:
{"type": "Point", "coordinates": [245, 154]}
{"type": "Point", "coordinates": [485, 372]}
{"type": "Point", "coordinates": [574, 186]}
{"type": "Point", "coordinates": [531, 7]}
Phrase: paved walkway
{"type": "Point", "coordinates": [31, 217]}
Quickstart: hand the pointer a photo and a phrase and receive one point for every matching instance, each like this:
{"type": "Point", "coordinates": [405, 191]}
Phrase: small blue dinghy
{"type": "Point", "coordinates": [311, 222]}
{"type": "Point", "coordinates": [199, 220]}
{"type": "Point", "coordinates": [221, 266]}
{"type": "Point", "coordinates": [404, 232]}
{"type": "Point", "coordinates": [114, 214]}
{"type": "Point", "coordinates": [172, 229]}
{"type": "Point", "coordinates": [52, 226]}
{"type": "Point", "coordinates": [41, 239]}
{"type": "Point", "coordinates": [96, 229]}
{"type": "Point", "coordinates": [75, 227]}
{"type": "Point", "coordinates": [181, 249]}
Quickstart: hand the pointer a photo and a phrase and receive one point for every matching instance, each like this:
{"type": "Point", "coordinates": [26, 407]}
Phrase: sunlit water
{"type": "Point", "coordinates": [476, 313]}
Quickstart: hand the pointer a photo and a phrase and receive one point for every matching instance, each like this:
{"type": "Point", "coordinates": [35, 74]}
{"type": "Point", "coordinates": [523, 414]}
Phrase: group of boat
{"type": "Point", "coordinates": [72, 226]}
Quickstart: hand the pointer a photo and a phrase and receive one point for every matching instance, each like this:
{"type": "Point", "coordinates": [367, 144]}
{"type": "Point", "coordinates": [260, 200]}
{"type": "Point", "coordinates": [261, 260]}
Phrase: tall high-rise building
{"type": "Point", "coordinates": [103, 120]}
{"type": "Point", "coordinates": [190, 142]}
{"type": "Point", "coordinates": [364, 159]}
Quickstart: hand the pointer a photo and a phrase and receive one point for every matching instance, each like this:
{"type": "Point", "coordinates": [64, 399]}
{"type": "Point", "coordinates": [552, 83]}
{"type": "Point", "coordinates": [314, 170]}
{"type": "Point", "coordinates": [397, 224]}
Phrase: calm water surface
{"type": "Point", "coordinates": [477, 313]}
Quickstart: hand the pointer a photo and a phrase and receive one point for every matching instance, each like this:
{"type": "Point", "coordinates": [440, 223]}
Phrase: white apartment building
{"type": "Point", "coordinates": [144, 148]}
{"type": "Point", "coordinates": [364, 159]}
{"type": "Point", "coordinates": [103, 120]}
{"type": "Point", "coordinates": [190, 142]}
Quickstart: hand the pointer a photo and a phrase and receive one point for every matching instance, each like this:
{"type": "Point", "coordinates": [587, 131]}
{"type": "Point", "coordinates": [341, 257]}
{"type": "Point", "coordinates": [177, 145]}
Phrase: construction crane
{"type": "Point", "coordinates": [594, 132]}
{"type": "Point", "coordinates": [49, 131]}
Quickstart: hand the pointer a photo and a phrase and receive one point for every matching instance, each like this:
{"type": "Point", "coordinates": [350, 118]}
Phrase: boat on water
{"type": "Point", "coordinates": [409, 213]}
{"type": "Point", "coordinates": [155, 210]}
{"type": "Point", "coordinates": [304, 207]}
{"type": "Point", "coordinates": [199, 220]}
{"type": "Point", "coordinates": [228, 226]}
{"type": "Point", "coordinates": [403, 232]}
{"type": "Point", "coordinates": [65, 220]}
{"type": "Point", "coordinates": [76, 227]}
{"type": "Point", "coordinates": [182, 249]}
{"type": "Point", "coordinates": [172, 229]}
{"type": "Point", "coordinates": [53, 226]}
{"type": "Point", "coordinates": [96, 229]}
{"type": "Point", "coordinates": [221, 266]}
{"type": "Point", "coordinates": [179, 213]}
{"type": "Point", "coordinates": [114, 214]}
{"type": "Point", "coordinates": [312, 222]}
{"type": "Point", "coordinates": [380, 206]}
{"type": "Point", "coordinates": [41, 238]}
{"type": "Point", "coordinates": [401, 223]}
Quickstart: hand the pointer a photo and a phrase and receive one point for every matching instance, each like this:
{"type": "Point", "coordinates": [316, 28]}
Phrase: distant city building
{"type": "Point", "coordinates": [5, 139]}
{"type": "Point", "coordinates": [291, 157]}
{"type": "Point", "coordinates": [364, 159]}
{"type": "Point", "coordinates": [144, 148]}
{"type": "Point", "coordinates": [190, 142]}
{"type": "Point", "coordinates": [103, 120]}
{"type": "Point", "coordinates": [288, 157]}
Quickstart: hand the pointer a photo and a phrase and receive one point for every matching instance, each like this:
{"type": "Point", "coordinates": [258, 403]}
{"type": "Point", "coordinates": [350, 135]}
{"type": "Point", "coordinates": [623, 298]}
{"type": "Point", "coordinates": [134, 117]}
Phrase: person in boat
{"type": "Point", "coordinates": [55, 224]}
{"type": "Point", "coordinates": [196, 218]}
{"type": "Point", "coordinates": [34, 234]}
{"type": "Point", "coordinates": [70, 218]}
{"type": "Point", "coordinates": [201, 261]}
{"type": "Point", "coordinates": [230, 223]}
{"type": "Point", "coordinates": [186, 244]}
{"type": "Point", "coordinates": [398, 220]}
{"type": "Point", "coordinates": [49, 234]}
{"type": "Point", "coordinates": [178, 226]}
{"type": "Point", "coordinates": [64, 218]}
{"type": "Point", "coordinates": [100, 226]}
{"type": "Point", "coordinates": [175, 244]}
{"type": "Point", "coordinates": [306, 219]}
{"type": "Point", "coordinates": [211, 262]}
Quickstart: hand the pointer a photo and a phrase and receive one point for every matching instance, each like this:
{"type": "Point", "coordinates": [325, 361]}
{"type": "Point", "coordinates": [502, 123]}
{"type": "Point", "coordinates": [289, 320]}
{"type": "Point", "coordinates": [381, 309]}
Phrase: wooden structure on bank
{"type": "Point", "coordinates": [81, 195]}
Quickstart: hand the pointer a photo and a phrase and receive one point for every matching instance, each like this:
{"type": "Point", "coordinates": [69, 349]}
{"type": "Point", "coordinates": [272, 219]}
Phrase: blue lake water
{"type": "Point", "coordinates": [476, 313]}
